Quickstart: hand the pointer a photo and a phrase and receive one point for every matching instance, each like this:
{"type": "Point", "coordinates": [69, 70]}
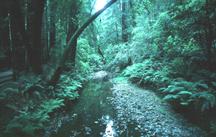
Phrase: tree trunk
{"type": "Point", "coordinates": [72, 27]}
{"type": "Point", "coordinates": [35, 28]}
{"type": "Point", "coordinates": [209, 36]}
{"type": "Point", "coordinates": [124, 22]}
{"type": "Point", "coordinates": [11, 47]}
{"type": "Point", "coordinates": [16, 35]}
{"type": "Point", "coordinates": [72, 43]}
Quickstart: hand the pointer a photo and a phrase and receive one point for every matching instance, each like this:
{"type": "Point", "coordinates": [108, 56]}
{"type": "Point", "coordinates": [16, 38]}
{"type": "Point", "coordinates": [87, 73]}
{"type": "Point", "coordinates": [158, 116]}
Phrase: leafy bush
{"type": "Point", "coordinates": [196, 94]}
{"type": "Point", "coordinates": [85, 56]}
{"type": "Point", "coordinates": [148, 73]}
{"type": "Point", "coordinates": [115, 52]}
{"type": "Point", "coordinates": [180, 68]}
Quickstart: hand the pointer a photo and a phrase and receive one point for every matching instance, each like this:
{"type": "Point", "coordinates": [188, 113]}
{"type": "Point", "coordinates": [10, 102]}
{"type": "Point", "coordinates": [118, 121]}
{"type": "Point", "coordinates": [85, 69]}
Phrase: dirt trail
{"type": "Point", "coordinates": [153, 117]}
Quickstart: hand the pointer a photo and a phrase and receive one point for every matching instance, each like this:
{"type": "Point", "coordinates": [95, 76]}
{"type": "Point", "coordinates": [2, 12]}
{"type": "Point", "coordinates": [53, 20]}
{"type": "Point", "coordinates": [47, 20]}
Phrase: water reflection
{"type": "Point", "coordinates": [109, 131]}
{"type": "Point", "coordinates": [94, 116]}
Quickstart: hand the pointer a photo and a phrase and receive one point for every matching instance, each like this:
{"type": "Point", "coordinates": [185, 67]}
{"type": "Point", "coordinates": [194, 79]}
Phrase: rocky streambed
{"type": "Point", "coordinates": [153, 117]}
{"type": "Point", "coordinates": [107, 108]}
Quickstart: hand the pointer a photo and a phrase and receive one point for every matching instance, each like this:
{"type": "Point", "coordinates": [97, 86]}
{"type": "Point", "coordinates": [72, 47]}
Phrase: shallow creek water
{"type": "Point", "coordinates": [94, 115]}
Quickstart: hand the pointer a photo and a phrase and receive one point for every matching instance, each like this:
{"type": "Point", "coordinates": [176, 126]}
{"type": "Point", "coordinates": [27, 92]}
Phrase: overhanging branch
{"type": "Point", "coordinates": [73, 40]}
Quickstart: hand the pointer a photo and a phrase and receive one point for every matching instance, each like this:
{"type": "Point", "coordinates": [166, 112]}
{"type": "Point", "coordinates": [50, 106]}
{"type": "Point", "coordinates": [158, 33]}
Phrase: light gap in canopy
{"type": "Point", "coordinates": [99, 4]}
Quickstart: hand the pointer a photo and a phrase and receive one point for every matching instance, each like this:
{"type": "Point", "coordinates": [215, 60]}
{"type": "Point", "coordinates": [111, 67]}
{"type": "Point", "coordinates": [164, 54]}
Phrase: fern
{"type": "Point", "coordinates": [69, 92]}
{"type": "Point", "coordinates": [213, 128]}
{"type": "Point", "coordinates": [185, 93]}
{"type": "Point", "coordinates": [201, 85]}
{"type": "Point", "coordinates": [50, 105]}
{"type": "Point", "coordinates": [173, 89]}
{"type": "Point", "coordinates": [171, 97]}
{"type": "Point", "coordinates": [68, 95]}
{"type": "Point", "coordinates": [204, 100]}
{"type": "Point", "coordinates": [182, 91]}
{"type": "Point", "coordinates": [185, 84]}
{"type": "Point", "coordinates": [213, 84]}
{"type": "Point", "coordinates": [29, 122]}
{"type": "Point", "coordinates": [7, 93]}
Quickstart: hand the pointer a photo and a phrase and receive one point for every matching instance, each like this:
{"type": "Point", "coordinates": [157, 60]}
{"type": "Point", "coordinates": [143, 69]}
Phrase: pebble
{"type": "Point", "coordinates": [146, 109]}
{"type": "Point", "coordinates": [96, 122]}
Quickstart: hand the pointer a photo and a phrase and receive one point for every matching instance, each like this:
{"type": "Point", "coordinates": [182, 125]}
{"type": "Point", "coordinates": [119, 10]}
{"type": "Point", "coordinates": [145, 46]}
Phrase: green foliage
{"type": "Point", "coordinates": [68, 95]}
{"type": "Point", "coordinates": [179, 92]}
{"type": "Point", "coordinates": [8, 94]}
{"type": "Point", "coordinates": [29, 122]}
{"type": "Point", "coordinates": [83, 56]}
{"type": "Point", "coordinates": [120, 80]}
{"type": "Point", "coordinates": [115, 52]}
{"type": "Point", "coordinates": [179, 67]}
{"type": "Point", "coordinates": [204, 100]}
{"type": "Point", "coordinates": [176, 91]}
{"type": "Point", "coordinates": [49, 106]}
{"type": "Point", "coordinates": [87, 58]}
{"type": "Point", "coordinates": [147, 73]}
{"type": "Point", "coordinates": [69, 86]}
{"type": "Point", "coordinates": [213, 128]}
{"type": "Point", "coordinates": [187, 93]}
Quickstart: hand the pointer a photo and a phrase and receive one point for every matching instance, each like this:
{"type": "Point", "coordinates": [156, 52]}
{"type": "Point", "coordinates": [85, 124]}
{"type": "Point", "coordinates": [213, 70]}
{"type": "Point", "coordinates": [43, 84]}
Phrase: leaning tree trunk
{"type": "Point", "coordinates": [72, 43]}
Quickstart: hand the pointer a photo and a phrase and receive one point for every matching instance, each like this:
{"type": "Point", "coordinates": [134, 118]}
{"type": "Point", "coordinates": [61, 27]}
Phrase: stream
{"type": "Point", "coordinates": [121, 109]}
{"type": "Point", "coordinates": [94, 115]}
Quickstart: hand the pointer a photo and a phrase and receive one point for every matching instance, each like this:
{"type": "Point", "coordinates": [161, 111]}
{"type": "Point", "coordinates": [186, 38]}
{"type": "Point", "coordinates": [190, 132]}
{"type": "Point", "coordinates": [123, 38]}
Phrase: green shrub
{"type": "Point", "coordinates": [148, 73]}
{"type": "Point", "coordinates": [83, 56]}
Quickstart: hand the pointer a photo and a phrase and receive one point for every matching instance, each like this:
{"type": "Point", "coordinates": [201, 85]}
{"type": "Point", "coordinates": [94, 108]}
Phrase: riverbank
{"type": "Point", "coordinates": [117, 108]}
{"type": "Point", "coordinates": [154, 117]}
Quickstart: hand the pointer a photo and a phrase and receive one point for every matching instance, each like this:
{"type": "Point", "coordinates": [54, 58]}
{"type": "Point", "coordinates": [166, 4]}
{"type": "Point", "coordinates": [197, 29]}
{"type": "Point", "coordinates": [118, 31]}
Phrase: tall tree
{"type": "Point", "coordinates": [72, 43]}
{"type": "Point", "coordinates": [35, 29]}
{"type": "Point", "coordinates": [208, 33]}
{"type": "Point", "coordinates": [124, 7]}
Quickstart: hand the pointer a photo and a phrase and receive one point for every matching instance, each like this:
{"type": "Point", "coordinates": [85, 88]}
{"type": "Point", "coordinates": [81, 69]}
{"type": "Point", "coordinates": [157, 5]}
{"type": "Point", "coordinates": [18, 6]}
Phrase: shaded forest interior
{"type": "Point", "coordinates": [49, 48]}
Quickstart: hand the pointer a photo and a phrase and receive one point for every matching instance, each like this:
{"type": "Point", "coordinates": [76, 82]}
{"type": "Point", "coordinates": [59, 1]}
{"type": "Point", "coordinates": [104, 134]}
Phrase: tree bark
{"type": "Point", "coordinates": [35, 28]}
{"type": "Point", "coordinates": [72, 43]}
{"type": "Point", "coordinates": [209, 36]}
{"type": "Point", "coordinates": [124, 22]}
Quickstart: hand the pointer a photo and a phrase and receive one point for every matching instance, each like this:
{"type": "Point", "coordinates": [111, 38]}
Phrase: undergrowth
{"type": "Point", "coordinates": [197, 92]}
{"type": "Point", "coordinates": [34, 104]}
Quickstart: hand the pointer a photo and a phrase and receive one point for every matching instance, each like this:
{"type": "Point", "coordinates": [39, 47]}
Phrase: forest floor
{"type": "Point", "coordinates": [154, 117]}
